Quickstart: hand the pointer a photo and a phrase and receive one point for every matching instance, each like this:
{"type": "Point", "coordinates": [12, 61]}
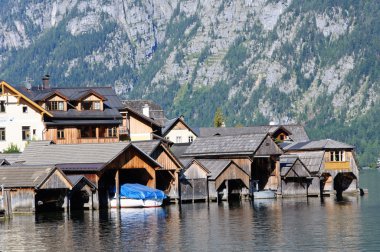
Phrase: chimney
{"type": "Point", "coordinates": [45, 82]}
{"type": "Point", "coordinates": [146, 110]}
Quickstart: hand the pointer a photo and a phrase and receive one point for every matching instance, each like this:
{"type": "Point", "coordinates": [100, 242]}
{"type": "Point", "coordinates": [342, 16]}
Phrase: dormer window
{"type": "Point", "coordinates": [90, 105]}
{"type": "Point", "coordinates": [55, 105]}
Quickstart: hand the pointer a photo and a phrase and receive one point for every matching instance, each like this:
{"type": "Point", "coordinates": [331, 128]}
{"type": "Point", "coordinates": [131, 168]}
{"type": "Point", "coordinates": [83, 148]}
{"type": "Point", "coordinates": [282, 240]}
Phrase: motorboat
{"type": "Point", "coordinates": [137, 195]}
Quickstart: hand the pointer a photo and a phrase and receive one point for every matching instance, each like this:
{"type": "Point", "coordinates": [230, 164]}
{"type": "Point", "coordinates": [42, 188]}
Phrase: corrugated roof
{"type": "Point", "coordinates": [217, 145]}
{"type": "Point", "coordinates": [215, 166]}
{"type": "Point", "coordinates": [325, 144]}
{"type": "Point", "coordinates": [24, 176]}
{"type": "Point", "coordinates": [41, 152]}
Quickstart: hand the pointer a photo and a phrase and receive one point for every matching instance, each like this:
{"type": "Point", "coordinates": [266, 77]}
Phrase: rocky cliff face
{"type": "Point", "coordinates": [260, 60]}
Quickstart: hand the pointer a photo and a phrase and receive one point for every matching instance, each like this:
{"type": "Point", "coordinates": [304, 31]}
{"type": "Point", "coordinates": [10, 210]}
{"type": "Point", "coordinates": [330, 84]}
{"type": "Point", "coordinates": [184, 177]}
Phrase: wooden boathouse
{"type": "Point", "coordinates": [194, 181]}
{"type": "Point", "coordinates": [295, 177]}
{"type": "Point", "coordinates": [107, 165]}
{"type": "Point", "coordinates": [257, 154]}
{"type": "Point", "coordinates": [332, 161]}
{"type": "Point", "coordinates": [167, 176]}
{"type": "Point", "coordinates": [29, 188]}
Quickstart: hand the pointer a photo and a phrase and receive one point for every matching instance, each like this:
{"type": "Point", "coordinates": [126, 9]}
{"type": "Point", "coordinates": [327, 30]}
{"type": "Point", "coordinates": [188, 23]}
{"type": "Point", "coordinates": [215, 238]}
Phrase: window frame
{"type": "Point", "coordinates": [3, 134]}
{"type": "Point", "coordinates": [60, 133]}
{"type": "Point", "coordinates": [25, 133]}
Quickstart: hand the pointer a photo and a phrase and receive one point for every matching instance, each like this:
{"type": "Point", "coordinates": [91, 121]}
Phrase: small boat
{"type": "Point", "coordinates": [136, 195]}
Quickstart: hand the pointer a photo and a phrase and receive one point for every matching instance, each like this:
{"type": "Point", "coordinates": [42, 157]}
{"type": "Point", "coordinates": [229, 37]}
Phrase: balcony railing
{"type": "Point", "coordinates": [337, 165]}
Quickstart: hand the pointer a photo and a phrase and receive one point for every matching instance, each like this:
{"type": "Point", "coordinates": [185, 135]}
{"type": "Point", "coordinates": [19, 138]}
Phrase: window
{"type": "Point", "coordinates": [178, 139]}
{"type": "Point", "coordinates": [2, 106]}
{"type": "Point", "coordinates": [111, 132]}
{"type": "Point", "coordinates": [96, 105]}
{"type": "Point", "coordinates": [337, 156]}
{"type": "Point", "coordinates": [191, 139]}
{"type": "Point", "coordinates": [25, 133]}
{"type": "Point", "coordinates": [2, 134]}
{"type": "Point", "coordinates": [60, 133]}
{"type": "Point", "coordinates": [90, 105]}
{"type": "Point", "coordinates": [24, 109]}
{"type": "Point", "coordinates": [88, 132]}
{"type": "Point", "coordinates": [55, 105]}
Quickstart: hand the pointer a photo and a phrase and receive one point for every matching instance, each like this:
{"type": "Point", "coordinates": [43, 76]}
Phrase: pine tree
{"type": "Point", "coordinates": [218, 118]}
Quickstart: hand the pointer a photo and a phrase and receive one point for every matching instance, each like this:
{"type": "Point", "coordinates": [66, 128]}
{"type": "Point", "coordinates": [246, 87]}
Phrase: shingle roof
{"type": "Point", "coordinates": [287, 162]}
{"type": "Point", "coordinates": [168, 124]}
{"type": "Point", "coordinates": [179, 149]}
{"type": "Point", "coordinates": [325, 144]}
{"type": "Point", "coordinates": [217, 145]}
{"type": "Point", "coordinates": [215, 166]}
{"type": "Point", "coordinates": [111, 103]}
{"type": "Point", "coordinates": [10, 157]}
{"type": "Point", "coordinates": [313, 160]}
{"type": "Point", "coordinates": [24, 176]}
{"type": "Point", "coordinates": [147, 146]}
{"type": "Point", "coordinates": [155, 110]}
{"type": "Point", "coordinates": [297, 132]}
{"type": "Point", "coordinates": [42, 152]}
{"type": "Point", "coordinates": [75, 179]}
{"type": "Point", "coordinates": [75, 156]}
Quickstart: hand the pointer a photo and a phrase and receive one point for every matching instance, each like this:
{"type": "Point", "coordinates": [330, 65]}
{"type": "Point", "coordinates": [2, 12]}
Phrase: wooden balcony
{"type": "Point", "coordinates": [338, 165]}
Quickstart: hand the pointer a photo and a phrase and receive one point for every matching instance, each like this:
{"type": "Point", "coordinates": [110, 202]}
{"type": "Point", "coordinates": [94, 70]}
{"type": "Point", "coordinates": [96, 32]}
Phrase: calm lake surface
{"type": "Point", "coordinates": [266, 225]}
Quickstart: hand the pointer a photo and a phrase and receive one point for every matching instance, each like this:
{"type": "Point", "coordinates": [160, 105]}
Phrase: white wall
{"type": "Point", "coordinates": [14, 119]}
{"type": "Point", "coordinates": [183, 133]}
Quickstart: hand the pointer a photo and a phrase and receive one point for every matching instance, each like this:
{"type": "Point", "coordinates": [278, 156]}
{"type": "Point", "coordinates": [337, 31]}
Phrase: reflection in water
{"type": "Point", "coordinates": [287, 224]}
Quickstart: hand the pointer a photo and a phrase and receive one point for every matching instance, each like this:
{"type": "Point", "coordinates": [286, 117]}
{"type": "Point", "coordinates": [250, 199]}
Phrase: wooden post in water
{"type": "Point", "coordinates": [117, 184]}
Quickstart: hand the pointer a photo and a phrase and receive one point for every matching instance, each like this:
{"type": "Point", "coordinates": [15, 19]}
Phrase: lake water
{"type": "Point", "coordinates": [266, 225]}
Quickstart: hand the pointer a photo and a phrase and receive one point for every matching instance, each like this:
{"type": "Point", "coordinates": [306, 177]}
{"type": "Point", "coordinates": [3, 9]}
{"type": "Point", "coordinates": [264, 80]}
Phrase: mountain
{"type": "Point", "coordinates": [313, 62]}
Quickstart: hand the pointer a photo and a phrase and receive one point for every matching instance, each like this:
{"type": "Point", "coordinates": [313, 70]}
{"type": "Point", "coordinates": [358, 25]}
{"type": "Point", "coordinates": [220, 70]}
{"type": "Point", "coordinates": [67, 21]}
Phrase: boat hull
{"type": "Point", "coordinates": [136, 203]}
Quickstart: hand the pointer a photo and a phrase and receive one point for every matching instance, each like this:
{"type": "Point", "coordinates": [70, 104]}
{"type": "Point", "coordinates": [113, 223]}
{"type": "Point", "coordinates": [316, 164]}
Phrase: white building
{"type": "Point", "coordinates": [177, 131]}
{"type": "Point", "coordinates": [21, 119]}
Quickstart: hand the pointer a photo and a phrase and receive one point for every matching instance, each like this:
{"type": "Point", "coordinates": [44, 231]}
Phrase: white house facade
{"type": "Point", "coordinates": [21, 120]}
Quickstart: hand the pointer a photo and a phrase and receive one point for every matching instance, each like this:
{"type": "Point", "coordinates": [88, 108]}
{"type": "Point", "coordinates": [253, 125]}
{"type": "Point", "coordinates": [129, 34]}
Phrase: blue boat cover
{"type": "Point", "coordinates": [138, 191]}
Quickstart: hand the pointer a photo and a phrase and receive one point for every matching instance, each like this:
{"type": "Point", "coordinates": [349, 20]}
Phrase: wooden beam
{"type": "Point", "coordinates": [117, 180]}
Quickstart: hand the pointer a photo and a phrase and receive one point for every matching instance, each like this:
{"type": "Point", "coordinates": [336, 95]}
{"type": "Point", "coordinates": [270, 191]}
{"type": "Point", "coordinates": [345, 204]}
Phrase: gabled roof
{"type": "Point", "coordinates": [171, 123]}
{"type": "Point", "coordinates": [222, 145]}
{"type": "Point", "coordinates": [150, 146]}
{"type": "Point", "coordinates": [4, 162]}
{"type": "Point", "coordinates": [325, 144]}
{"type": "Point", "coordinates": [26, 176]}
{"type": "Point", "coordinates": [75, 179]}
{"type": "Point", "coordinates": [296, 132]}
{"type": "Point", "coordinates": [26, 98]}
{"type": "Point", "coordinates": [191, 161]}
{"type": "Point", "coordinates": [76, 156]}
{"type": "Point", "coordinates": [216, 166]}
{"type": "Point", "coordinates": [46, 96]}
{"type": "Point", "coordinates": [81, 95]}
{"type": "Point", "coordinates": [288, 164]}
{"type": "Point", "coordinates": [313, 160]}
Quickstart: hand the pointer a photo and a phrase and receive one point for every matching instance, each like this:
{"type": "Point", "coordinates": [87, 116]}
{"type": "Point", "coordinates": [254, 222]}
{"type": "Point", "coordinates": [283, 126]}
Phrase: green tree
{"type": "Point", "coordinates": [218, 118]}
{"type": "Point", "coordinates": [12, 148]}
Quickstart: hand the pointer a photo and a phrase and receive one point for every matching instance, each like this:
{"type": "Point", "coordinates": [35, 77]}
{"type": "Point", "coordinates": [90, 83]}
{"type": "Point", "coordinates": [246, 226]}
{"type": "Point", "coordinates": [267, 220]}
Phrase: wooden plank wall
{"type": "Point", "coordinates": [230, 173]}
{"type": "Point", "coordinates": [72, 136]}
